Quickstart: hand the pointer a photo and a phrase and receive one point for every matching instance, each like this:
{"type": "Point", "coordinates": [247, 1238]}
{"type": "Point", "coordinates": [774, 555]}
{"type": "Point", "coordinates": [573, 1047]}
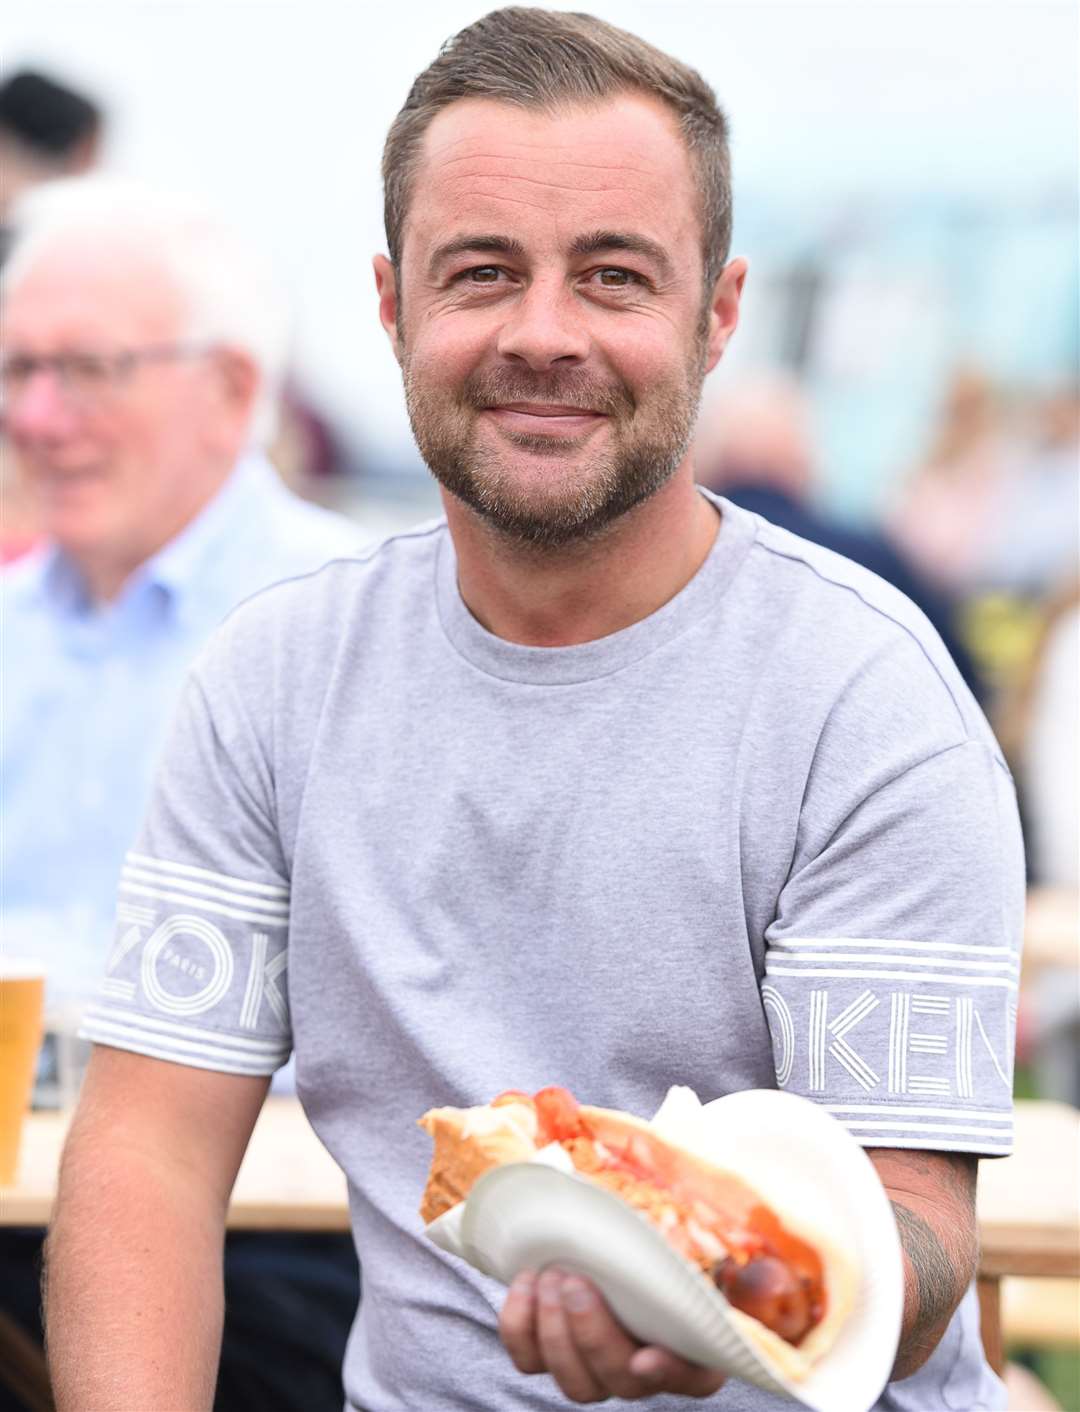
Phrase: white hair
{"type": "Point", "coordinates": [229, 294]}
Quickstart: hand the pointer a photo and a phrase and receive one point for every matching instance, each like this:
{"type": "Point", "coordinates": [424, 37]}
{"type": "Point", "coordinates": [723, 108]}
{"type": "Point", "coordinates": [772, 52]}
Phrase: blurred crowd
{"type": "Point", "coordinates": [982, 533]}
{"type": "Point", "coordinates": [144, 495]}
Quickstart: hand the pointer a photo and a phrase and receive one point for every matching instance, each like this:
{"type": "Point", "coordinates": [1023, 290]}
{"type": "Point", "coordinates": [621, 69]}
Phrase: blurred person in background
{"type": "Point", "coordinates": [1036, 548]}
{"type": "Point", "coordinates": [757, 448]}
{"type": "Point", "coordinates": [541, 792]}
{"type": "Point", "coordinates": [47, 130]}
{"type": "Point", "coordinates": [141, 355]}
{"type": "Point", "coordinates": [1039, 728]}
{"type": "Point", "coordinates": [949, 509]}
{"type": "Point", "coordinates": [993, 517]}
{"type": "Point", "coordinates": [1046, 746]}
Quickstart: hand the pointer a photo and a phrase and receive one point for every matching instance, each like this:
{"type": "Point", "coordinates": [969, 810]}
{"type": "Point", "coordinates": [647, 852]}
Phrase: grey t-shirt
{"type": "Point", "coordinates": [763, 836]}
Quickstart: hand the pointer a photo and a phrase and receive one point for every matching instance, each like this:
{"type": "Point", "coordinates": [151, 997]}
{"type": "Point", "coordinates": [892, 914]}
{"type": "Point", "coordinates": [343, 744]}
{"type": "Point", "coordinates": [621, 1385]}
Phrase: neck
{"type": "Point", "coordinates": [557, 598]}
{"type": "Point", "coordinates": [106, 568]}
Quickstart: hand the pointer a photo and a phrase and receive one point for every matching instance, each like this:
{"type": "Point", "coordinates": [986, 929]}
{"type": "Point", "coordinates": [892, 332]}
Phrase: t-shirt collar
{"type": "Point", "coordinates": [564, 666]}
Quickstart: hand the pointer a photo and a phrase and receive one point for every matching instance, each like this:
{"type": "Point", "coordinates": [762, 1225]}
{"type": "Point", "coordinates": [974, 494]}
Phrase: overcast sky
{"type": "Point", "coordinates": [276, 114]}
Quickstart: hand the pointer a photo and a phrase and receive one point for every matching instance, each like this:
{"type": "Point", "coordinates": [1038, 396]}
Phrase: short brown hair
{"type": "Point", "coordinates": [549, 59]}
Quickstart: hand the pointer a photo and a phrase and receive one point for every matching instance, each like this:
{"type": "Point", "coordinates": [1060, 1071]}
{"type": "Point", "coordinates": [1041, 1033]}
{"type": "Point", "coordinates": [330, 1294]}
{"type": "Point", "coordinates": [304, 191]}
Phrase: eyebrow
{"type": "Point", "coordinates": [474, 245]}
{"type": "Point", "coordinates": [600, 241]}
{"type": "Point", "coordinates": [594, 243]}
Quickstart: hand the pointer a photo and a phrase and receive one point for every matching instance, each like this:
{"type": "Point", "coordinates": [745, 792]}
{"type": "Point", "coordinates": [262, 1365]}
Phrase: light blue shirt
{"type": "Point", "coordinates": [88, 694]}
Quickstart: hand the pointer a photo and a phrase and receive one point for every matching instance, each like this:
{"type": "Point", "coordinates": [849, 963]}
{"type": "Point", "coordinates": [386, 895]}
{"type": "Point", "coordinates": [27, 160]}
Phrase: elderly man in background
{"type": "Point", "coordinates": [142, 350]}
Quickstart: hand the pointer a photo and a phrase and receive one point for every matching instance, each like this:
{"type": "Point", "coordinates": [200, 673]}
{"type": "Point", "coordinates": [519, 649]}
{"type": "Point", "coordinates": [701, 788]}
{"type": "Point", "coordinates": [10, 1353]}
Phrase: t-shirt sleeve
{"type": "Point", "coordinates": [892, 963]}
{"type": "Point", "coordinates": [197, 972]}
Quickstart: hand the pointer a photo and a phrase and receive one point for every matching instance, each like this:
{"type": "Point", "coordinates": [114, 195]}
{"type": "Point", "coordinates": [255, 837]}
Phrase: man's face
{"type": "Point", "coordinates": [116, 469]}
{"type": "Point", "coordinates": [551, 320]}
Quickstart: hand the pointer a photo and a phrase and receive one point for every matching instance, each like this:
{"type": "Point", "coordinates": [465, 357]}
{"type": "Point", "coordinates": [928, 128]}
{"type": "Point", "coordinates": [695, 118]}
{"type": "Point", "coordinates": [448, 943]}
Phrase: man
{"type": "Point", "coordinates": [135, 403]}
{"type": "Point", "coordinates": [141, 355]}
{"type": "Point", "coordinates": [463, 791]}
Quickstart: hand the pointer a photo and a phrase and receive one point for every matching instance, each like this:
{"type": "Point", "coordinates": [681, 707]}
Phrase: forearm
{"type": "Point", "coordinates": [937, 1273]}
{"type": "Point", "coordinates": [938, 1236]}
{"type": "Point", "coordinates": [133, 1289]}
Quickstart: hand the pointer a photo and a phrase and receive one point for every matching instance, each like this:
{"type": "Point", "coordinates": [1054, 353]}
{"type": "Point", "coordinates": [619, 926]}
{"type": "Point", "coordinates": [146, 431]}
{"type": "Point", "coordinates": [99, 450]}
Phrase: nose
{"type": "Point", "coordinates": [545, 327]}
{"type": "Point", "coordinates": [38, 410]}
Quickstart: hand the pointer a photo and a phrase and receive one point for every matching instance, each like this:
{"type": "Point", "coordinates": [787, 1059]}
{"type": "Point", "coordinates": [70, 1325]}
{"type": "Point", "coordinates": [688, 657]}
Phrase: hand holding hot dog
{"type": "Point", "coordinates": [559, 1324]}
{"type": "Point", "coordinates": [788, 1289]}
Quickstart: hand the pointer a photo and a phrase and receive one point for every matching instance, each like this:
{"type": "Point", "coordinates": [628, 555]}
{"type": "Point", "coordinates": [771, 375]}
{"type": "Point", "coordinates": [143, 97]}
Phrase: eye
{"type": "Point", "coordinates": [482, 274]}
{"type": "Point", "coordinates": [85, 369]}
{"type": "Point", "coordinates": [17, 370]}
{"type": "Point", "coordinates": [614, 277]}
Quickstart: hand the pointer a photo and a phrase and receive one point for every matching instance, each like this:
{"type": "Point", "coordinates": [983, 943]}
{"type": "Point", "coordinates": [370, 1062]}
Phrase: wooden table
{"type": "Point", "coordinates": [1029, 1210]}
{"type": "Point", "coordinates": [1029, 1204]}
{"type": "Point", "coordinates": [287, 1182]}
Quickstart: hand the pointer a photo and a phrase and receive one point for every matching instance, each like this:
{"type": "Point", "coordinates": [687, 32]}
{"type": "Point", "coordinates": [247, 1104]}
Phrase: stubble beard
{"type": "Point", "coordinates": [587, 490]}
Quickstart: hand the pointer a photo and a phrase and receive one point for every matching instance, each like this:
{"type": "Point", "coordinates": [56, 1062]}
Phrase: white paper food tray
{"type": "Point", "coordinates": [528, 1215]}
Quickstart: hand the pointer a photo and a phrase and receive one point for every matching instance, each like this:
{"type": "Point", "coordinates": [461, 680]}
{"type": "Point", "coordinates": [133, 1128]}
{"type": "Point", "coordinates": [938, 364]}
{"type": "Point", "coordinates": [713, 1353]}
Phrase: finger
{"type": "Point", "coordinates": [661, 1371]}
{"type": "Point", "coordinates": [517, 1324]}
{"type": "Point", "coordinates": [557, 1347]}
{"type": "Point", "coordinates": [603, 1345]}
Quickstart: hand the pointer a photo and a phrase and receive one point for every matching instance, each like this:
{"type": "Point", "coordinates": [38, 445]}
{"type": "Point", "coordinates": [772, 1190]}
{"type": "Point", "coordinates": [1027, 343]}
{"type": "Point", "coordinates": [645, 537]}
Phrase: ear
{"type": "Point", "coordinates": [233, 391]}
{"type": "Point", "coordinates": [84, 155]}
{"type": "Point", "coordinates": [389, 312]}
{"type": "Point", "coordinates": [239, 381]}
{"type": "Point", "coordinates": [724, 309]}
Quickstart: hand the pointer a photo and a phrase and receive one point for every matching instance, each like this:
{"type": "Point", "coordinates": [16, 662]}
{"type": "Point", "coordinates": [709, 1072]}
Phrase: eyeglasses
{"type": "Point", "coordinates": [85, 377]}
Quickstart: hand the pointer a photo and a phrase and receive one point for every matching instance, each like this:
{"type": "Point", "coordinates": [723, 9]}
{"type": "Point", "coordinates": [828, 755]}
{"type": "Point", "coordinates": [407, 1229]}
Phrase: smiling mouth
{"type": "Point", "coordinates": [544, 418]}
{"type": "Point", "coordinates": [545, 409]}
{"type": "Point", "coordinates": [59, 481]}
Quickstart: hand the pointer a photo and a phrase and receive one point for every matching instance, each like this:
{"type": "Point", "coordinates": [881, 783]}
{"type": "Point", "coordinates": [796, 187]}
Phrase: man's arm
{"type": "Point", "coordinates": [133, 1284]}
{"type": "Point", "coordinates": [933, 1199]}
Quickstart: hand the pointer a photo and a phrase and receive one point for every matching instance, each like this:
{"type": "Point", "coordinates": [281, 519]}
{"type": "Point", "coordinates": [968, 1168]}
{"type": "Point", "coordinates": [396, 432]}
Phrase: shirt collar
{"type": "Point", "coordinates": [181, 568]}
{"type": "Point", "coordinates": [57, 581]}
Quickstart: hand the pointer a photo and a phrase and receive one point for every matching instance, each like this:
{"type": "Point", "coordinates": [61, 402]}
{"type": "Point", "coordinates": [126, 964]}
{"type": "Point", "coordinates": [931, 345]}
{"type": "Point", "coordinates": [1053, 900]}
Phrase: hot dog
{"type": "Point", "coordinates": [790, 1291]}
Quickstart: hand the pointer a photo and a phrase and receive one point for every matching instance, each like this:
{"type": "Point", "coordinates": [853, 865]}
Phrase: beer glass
{"type": "Point", "coordinates": [22, 1000]}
